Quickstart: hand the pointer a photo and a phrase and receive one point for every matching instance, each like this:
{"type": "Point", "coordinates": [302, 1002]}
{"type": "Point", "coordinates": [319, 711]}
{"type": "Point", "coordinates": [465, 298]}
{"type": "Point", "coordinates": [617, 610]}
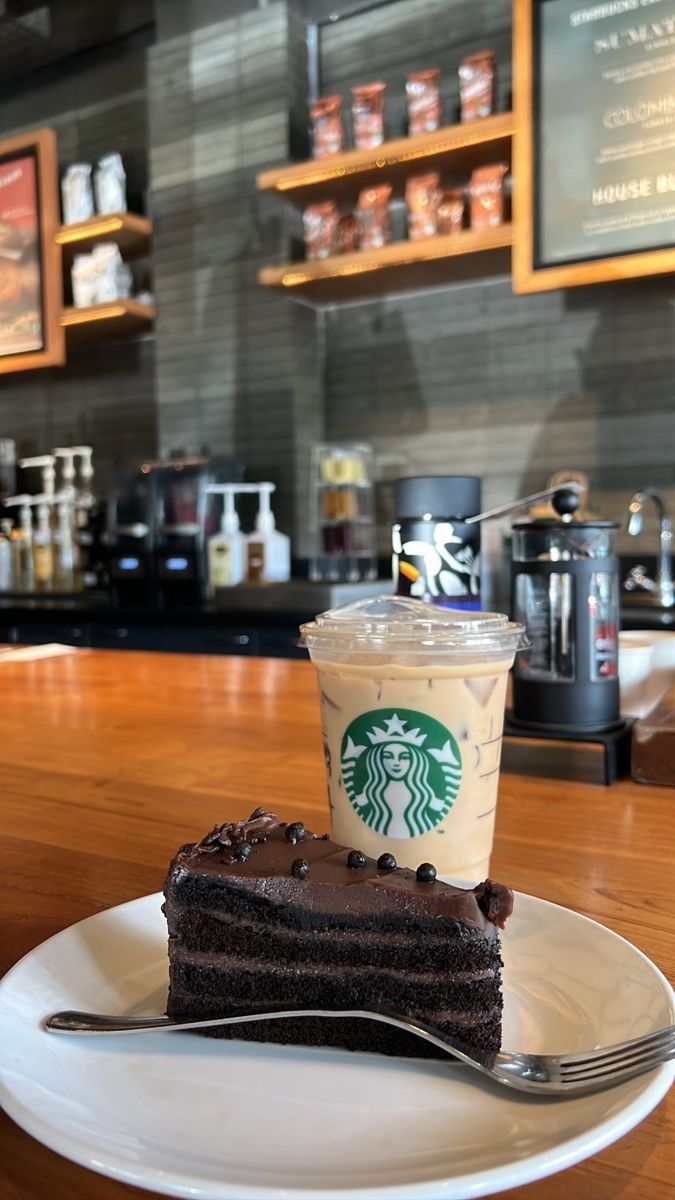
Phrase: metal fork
{"type": "Point", "coordinates": [545, 1074]}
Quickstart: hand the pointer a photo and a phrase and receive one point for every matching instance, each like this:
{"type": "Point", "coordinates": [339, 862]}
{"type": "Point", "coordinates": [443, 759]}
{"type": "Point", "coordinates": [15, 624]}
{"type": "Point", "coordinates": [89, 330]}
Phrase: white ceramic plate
{"type": "Point", "coordinates": [187, 1116]}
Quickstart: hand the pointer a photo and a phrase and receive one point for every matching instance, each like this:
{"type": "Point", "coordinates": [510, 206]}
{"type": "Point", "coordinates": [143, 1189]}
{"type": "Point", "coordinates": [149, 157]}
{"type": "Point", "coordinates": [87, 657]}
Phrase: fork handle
{"type": "Point", "coordinates": [74, 1022]}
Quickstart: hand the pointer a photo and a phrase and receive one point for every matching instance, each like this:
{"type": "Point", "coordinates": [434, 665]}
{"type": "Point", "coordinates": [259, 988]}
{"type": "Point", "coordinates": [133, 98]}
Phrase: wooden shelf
{"type": "Point", "coordinates": [400, 266]}
{"type": "Point", "coordinates": [131, 232]}
{"type": "Point", "coordinates": [117, 319]}
{"type": "Point", "coordinates": [460, 147]}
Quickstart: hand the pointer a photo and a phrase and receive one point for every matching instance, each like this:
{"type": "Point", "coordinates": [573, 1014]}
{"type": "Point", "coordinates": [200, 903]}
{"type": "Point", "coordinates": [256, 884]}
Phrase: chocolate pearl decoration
{"type": "Point", "coordinates": [426, 873]}
{"type": "Point", "coordinates": [295, 832]}
{"type": "Point", "coordinates": [386, 862]}
{"type": "Point", "coordinates": [356, 859]}
{"type": "Point", "coordinates": [300, 868]}
{"type": "Point", "coordinates": [242, 850]}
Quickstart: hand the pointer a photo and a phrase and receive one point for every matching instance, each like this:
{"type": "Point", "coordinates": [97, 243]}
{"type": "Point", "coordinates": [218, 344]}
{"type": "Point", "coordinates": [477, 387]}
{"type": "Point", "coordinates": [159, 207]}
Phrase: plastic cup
{"type": "Point", "coordinates": [646, 669]}
{"type": "Point", "coordinates": [636, 657]}
{"type": "Point", "coordinates": [412, 705]}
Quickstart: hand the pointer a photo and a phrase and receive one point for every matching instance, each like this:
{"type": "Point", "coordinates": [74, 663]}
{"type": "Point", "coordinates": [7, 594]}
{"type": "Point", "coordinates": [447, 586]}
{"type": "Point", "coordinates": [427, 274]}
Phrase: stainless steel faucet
{"type": "Point", "coordinates": [662, 586]}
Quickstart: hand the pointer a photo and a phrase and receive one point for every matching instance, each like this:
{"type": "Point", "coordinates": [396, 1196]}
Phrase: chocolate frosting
{"type": "Point", "coordinates": [330, 883]}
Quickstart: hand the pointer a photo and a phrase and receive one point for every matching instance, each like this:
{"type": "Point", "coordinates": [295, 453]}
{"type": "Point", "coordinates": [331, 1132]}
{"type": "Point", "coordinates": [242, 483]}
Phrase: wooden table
{"type": "Point", "coordinates": [110, 760]}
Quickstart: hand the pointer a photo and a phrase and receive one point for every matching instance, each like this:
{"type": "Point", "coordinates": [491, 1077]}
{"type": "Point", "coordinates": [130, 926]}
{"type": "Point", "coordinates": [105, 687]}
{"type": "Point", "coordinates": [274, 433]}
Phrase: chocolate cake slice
{"type": "Point", "coordinates": [264, 914]}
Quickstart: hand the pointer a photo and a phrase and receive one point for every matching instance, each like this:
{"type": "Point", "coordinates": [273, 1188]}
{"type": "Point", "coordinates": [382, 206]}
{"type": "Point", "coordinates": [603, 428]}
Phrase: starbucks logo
{"type": "Point", "coordinates": [401, 770]}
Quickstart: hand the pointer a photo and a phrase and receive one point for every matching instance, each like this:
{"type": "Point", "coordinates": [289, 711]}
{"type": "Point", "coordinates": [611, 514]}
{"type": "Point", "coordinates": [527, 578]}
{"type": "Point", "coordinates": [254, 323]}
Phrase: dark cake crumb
{"type": "Point", "coordinates": [426, 873]}
{"type": "Point", "coordinates": [243, 850]}
{"type": "Point", "coordinates": [300, 868]}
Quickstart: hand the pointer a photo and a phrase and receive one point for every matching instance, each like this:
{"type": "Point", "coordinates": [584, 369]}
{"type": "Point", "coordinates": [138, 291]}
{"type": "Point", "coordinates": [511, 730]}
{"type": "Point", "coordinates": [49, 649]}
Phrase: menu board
{"type": "Point", "coordinates": [603, 136]}
{"type": "Point", "coordinates": [21, 326]}
{"type": "Point", "coordinates": [31, 280]}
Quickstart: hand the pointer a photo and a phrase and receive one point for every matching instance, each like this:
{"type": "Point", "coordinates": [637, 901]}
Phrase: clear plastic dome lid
{"type": "Point", "coordinates": [385, 623]}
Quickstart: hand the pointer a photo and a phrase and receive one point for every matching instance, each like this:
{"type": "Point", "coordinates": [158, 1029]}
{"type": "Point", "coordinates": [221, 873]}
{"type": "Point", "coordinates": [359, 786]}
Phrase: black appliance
{"type": "Point", "coordinates": [130, 537]}
{"type": "Point", "coordinates": [186, 516]}
{"type": "Point", "coordinates": [565, 583]}
{"type": "Point", "coordinates": [436, 554]}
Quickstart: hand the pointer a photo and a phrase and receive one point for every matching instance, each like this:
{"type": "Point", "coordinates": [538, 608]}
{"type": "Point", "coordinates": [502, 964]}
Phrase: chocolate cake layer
{"type": "Point", "coordinates": [262, 914]}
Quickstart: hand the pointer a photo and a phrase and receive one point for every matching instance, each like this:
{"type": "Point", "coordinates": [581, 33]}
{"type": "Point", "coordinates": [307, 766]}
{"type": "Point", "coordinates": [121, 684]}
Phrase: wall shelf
{"type": "Point", "coordinates": [399, 266]}
{"type": "Point", "coordinates": [116, 319]}
{"type": "Point", "coordinates": [130, 231]}
{"type": "Point", "coordinates": [460, 147]}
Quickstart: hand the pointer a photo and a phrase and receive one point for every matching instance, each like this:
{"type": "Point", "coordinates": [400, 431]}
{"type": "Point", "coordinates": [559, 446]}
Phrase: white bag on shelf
{"type": "Point", "coordinates": [77, 196]}
{"type": "Point", "coordinates": [110, 185]}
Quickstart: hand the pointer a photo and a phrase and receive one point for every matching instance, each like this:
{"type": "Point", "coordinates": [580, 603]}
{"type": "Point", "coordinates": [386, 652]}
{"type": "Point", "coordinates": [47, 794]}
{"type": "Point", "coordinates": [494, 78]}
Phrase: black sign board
{"type": "Point", "coordinates": [595, 143]}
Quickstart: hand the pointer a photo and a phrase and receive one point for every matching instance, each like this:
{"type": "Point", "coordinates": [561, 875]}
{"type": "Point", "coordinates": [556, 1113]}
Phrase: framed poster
{"type": "Point", "coordinates": [594, 153]}
{"type": "Point", "coordinates": [31, 283]}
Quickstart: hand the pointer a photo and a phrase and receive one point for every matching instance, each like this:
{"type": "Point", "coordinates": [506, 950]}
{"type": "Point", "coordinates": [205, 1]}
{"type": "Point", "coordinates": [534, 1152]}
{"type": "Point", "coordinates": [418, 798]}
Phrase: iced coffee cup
{"type": "Point", "coordinates": [412, 705]}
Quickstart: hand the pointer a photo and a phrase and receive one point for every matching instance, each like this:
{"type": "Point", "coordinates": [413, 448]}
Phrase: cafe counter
{"type": "Point", "coordinates": [110, 762]}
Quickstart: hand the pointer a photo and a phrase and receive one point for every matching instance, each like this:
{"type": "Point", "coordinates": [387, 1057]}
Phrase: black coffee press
{"type": "Point", "coordinates": [565, 590]}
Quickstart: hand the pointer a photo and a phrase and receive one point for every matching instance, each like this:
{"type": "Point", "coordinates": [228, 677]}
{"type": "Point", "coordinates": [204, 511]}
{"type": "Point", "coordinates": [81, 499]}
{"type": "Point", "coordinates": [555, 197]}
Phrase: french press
{"type": "Point", "coordinates": [565, 590]}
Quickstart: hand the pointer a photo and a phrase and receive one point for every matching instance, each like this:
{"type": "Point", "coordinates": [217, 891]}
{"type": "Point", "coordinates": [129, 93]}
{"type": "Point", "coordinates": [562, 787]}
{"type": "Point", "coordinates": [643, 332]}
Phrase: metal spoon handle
{"type": "Point", "coordinates": [515, 506]}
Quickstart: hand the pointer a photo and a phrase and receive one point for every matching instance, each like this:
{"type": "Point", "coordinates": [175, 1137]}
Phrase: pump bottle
{"type": "Point", "coordinates": [66, 577]}
{"type": "Point", "coordinates": [46, 462]}
{"type": "Point", "coordinates": [6, 571]}
{"type": "Point", "coordinates": [226, 548]}
{"type": "Point", "coordinates": [268, 551]}
{"type": "Point", "coordinates": [22, 544]}
{"type": "Point", "coordinates": [43, 545]}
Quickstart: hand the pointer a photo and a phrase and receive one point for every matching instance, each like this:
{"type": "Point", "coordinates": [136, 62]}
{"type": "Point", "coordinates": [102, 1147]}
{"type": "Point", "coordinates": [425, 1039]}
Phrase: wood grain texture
{"type": "Point", "coordinates": [342, 175]}
{"type": "Point", "coordinates": [110, 761]}
{"type": "Point", "coordinates": [393, 267]}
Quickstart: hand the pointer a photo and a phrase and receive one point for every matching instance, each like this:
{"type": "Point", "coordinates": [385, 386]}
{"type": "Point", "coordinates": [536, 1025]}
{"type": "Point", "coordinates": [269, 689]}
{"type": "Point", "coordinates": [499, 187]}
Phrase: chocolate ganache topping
{"type": "Point", "coordinates": [495, 901]}
{"type": "Point", "coordinates": [262, 853]}
{"type": "Point", "coordinates": [237, 833]}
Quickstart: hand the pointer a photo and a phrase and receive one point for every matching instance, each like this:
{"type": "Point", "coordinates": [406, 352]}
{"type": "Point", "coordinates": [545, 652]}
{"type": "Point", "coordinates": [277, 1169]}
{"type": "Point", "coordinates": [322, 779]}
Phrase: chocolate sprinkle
{"type": "Point", "coordinates": [300, 868]}
{"type": "Point", "coordinates": [356, 859]}
{"type": "Point", "coordinates": [295, 832]}
{"type": "Point", "coordinates": [386, 862]}
{"type": "Point", "coordinates": [426, 873]}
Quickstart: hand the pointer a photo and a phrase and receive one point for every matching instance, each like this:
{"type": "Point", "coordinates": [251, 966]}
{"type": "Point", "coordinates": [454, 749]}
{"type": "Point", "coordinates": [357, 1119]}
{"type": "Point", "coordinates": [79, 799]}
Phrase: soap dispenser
{"type": "Point", "coordinates": [268, 551]}
{"type": "Point", "coordinates": [226, 548]}
{"type": "Point", "coordinates": [22, 543]}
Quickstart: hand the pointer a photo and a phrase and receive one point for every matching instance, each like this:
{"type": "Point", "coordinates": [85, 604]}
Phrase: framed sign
{"type": "Point", "coordinates": [594, 153]}
{"type": "Point", "coordinates": [31, 283]}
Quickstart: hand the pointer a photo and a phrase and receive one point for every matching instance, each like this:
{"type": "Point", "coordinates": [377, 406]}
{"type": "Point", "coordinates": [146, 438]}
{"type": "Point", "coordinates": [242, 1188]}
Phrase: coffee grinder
{"type": "Point", "coordinates": [436, 551]}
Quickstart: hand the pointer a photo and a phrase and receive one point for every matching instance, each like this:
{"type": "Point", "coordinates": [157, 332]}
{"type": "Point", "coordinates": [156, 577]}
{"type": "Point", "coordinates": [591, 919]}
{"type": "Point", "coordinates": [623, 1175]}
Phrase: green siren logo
{"type": "Point", "coordinates": [401, 769]}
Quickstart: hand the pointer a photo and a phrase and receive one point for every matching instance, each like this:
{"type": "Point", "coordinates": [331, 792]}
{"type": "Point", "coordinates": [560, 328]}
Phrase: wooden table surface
{"type": "Point", "coordinates": [110, 760]}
